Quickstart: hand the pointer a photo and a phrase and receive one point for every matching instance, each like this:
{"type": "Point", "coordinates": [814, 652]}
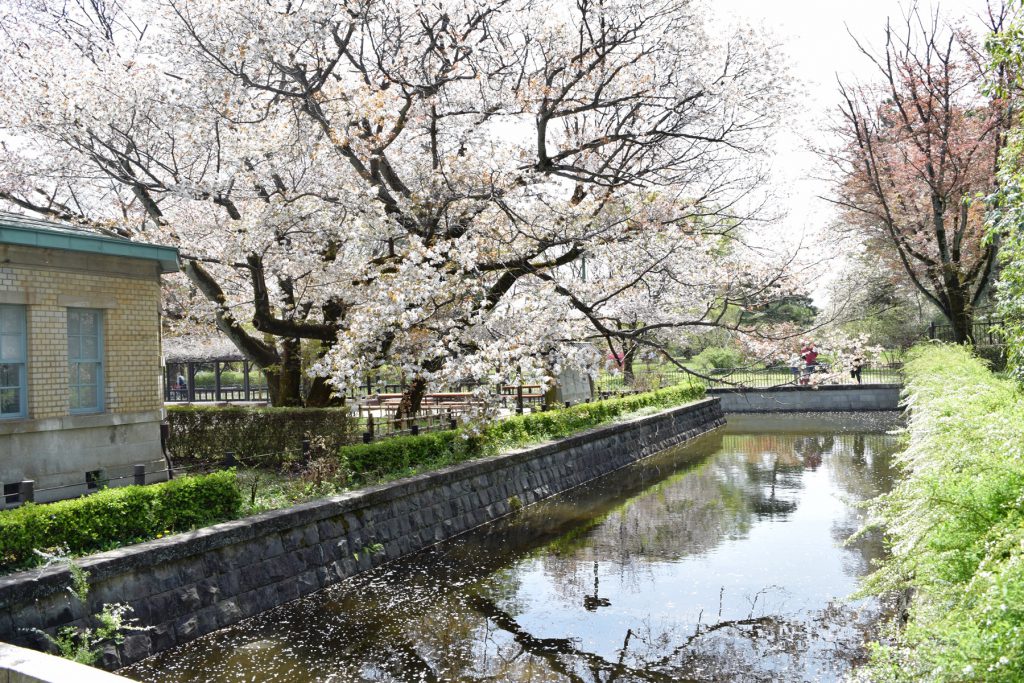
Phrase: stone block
{"type": "Point", "coordinates": [270, 546]}
{"type": "Point", "coordinates": [267, 597]}
{"type": "Point", "coordinates": [136, 647]}
{"type": "Point", "coordinates": [307, 582]}
{"type": "Point", "coordinates": [281, 567]}
{"type": "Point", "coordinates": [253, 576]}
{"type": "Point", "coordinates": [293, 538]}
{"type": "Point", "coordinates": [162, 637]}
{"type": "Point", "coordinates": [191, 571]}
{"type": "Point", "coordinates": [287, 591]}
{"type": "Point", "coordinates": [6, 626]}
{"type": "Point", "coordinates": [56, 610]}
{"type": "Point", "coordinates": [27, 617]}
{"type": "Point", "coordinates": [246, 604]}
{"type": "Point", "coordinates": [209, 592]}
{"type": "Point", "coordinates": [326, 576]}
{"type": "Point", "coordinates": [229, 583]}
{"type": "Point", "coordinates": [350, 523]}
{"type": "Point", "coordinates": [110, 658]}
{"type": "Point", "coordinates": [186, 628]}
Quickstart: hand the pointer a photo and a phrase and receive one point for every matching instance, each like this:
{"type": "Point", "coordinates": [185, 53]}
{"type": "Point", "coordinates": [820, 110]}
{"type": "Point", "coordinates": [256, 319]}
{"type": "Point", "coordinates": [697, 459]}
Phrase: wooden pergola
{"type": "Point", "coordinates": [185, 357]}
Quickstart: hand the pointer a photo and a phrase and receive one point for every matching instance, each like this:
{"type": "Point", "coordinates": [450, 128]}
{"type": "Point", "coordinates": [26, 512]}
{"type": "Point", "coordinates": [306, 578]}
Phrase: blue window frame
{"type": "Point", "coordinates": [85, 360]}
{"type": "Point", "coordinates": [13, 353]}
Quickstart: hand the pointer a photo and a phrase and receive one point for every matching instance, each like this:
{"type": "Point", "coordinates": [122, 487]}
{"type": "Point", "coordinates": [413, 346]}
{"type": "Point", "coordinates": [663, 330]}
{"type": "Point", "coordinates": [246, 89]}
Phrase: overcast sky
{"type": "Point", "coordinates": [814, 34]}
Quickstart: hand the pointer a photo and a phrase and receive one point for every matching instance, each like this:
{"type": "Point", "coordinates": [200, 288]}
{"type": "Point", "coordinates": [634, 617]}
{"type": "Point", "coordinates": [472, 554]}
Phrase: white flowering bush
{"type": "Point", "coordinates": [955, 526]}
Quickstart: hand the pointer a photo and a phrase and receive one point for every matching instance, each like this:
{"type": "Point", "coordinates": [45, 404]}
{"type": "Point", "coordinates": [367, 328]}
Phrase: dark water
{"type": "Point", "coordinates": [722, 560]}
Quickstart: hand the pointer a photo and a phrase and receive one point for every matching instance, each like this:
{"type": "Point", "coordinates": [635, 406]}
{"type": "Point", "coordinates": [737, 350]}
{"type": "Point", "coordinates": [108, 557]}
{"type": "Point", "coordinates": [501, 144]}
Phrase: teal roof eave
{"type": "Point", "coordinates": [24, 235]}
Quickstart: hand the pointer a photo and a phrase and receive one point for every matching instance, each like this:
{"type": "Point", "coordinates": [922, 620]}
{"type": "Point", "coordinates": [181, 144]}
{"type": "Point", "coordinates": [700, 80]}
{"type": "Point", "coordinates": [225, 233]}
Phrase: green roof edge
{"type": "Point", "coordinates": [60, 238]}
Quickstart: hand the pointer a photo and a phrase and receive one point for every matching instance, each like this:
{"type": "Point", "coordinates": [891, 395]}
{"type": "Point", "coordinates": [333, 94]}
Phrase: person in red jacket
{"type": "Point", "coordinates": [810, 355]}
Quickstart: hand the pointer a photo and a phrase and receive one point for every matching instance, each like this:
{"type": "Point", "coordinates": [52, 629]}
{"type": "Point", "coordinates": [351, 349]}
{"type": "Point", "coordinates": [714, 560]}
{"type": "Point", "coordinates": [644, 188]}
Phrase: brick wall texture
{"type": "Point", "coordinates": [131, 336]}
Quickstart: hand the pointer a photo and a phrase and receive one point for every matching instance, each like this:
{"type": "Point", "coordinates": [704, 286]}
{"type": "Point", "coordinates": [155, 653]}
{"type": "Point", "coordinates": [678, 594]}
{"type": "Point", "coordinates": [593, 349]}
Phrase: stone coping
{"type": "Point", "coordinates": [32, 584]}
{"type": "Point", "coordinates": [797, 388]}
{"type": "Point", "coordinates": [19, 665]}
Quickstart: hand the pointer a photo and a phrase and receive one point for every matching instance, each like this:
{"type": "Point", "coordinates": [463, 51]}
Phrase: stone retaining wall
{"type": "Point", "coordinates": [187, 585]}
{"type": "Point", "coordinates": [847, 397]}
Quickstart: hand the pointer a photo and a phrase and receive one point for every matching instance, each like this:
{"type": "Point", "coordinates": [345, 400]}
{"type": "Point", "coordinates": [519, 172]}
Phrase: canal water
{"type": "Point", "coordinates": [721, 560]}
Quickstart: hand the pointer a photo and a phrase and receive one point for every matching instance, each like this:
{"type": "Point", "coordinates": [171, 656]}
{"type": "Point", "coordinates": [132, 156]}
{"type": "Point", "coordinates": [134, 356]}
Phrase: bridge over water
{"type": "Point", "coordinates": [779, 390]}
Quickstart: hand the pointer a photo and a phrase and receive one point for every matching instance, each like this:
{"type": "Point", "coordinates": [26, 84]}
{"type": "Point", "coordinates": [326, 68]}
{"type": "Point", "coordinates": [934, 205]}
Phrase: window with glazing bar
{"type": "Point", "coordinates": [85, 359]}
{"type": "Point", "coordinates": [12, 361]}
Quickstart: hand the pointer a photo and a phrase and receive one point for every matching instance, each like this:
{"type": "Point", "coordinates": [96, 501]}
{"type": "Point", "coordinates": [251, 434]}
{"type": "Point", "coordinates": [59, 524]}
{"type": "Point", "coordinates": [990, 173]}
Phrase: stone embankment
{"type": "Point", "coordinates": [187, 585]}
{"type": "Point", "coordinates": [810, 399]}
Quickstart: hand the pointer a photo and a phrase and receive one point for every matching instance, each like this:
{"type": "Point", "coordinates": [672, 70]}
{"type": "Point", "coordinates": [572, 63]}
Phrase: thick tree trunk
{"type": "Point", "coordinates": [412, 399]}
{"type": "Point", "coordinates": [272, 375]}
{"type": "Point", "coordinates": [628, 356]}
{"type": "Point", "coordinates": [961, 320]}
{"type": "Point", "coordinates": [289, 379]}
{"type": "Point", "coordinates": [321, 395]}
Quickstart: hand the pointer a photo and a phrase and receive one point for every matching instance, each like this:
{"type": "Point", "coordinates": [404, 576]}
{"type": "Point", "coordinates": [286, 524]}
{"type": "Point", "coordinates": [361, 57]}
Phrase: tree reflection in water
{"type": "Point", "coordinates": [717, 561]}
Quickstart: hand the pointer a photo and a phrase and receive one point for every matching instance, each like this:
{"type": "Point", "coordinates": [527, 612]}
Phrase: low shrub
{"type": "Point", "coordinates": [228, 378]}
{"type": "Point", "coordinates": [116, 516]}
{"type": "Point", "coordinates": [955, 526]}
{"type": "Point", "coordinates": [718, 357]}
{"type": "Point", "coordinates": [400, 454]}
{"type": "Point", "coordinates": [205, 433]}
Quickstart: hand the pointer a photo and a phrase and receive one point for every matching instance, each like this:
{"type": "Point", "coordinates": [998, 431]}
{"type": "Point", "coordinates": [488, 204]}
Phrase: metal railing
{"type": "Point", "coordinates": [983, 332]}
{"type": "Point", "coordinates": [821, 374]}
{"type": "Point", "coordinates": [205, 382]}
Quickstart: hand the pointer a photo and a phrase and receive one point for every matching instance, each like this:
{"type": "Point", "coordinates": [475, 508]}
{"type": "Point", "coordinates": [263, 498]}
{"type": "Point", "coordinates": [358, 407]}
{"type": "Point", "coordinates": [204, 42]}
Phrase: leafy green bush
{"type": "Point", "coordinates": [400, 454]}
{"type": "Point", "coordinates": [205, 433]}
{"type": "Point", "coordinates": [955, 523]}
{"type": "Point", "coordinates": [116, 516]}
{"type": "Point", "coordinates": [228, 378]}
{"type": "Point", "coordinates": [717, 357]}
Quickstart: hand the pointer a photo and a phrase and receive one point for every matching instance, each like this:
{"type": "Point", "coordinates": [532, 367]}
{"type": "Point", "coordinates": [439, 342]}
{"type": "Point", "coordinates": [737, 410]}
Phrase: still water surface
{"type": "Point", "coordinates": [722, 560]}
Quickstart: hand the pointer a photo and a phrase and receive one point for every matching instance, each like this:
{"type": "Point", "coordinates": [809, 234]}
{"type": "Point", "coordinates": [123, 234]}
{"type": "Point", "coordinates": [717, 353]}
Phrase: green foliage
{"type": "Point", "coordinates": [82, 644]}
{"type": "Point", "coordinates": [85, 645]}
{"type": "Point", "coordinates": [796, 308]}
{"type": "Point", "coordinates": [1006, 214]}
{"type": "Point", "coordinates": [717, 357]}
{"type": "Point", "coordinates": [955, 523]}
{"type": "Point", "coordinates": [1006, 218]}
{"type": "Point", "coordinates": [400, 455]}
{"type": "Point", "coordinates": [116, 516]}
{"type": "Point", "coordinates": [79, 582]}
{"type": "Point", "coordinates": [228, 378]}
{"type": "Point", "coordinates": [205, 433]}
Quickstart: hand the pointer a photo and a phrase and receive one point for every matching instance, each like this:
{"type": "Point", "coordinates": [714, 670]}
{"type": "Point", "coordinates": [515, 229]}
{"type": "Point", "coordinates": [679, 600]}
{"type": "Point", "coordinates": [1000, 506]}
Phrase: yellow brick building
{"type": "Point", "coordinates": [80, 359]}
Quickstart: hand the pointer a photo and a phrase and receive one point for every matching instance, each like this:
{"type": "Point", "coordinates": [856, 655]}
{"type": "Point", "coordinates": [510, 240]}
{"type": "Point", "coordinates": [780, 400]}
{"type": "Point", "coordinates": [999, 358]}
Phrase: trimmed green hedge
{"type": "Point", "coordinates": [399, 454]}
{"type": "Point", "coordinates": [955, 526]}
{"type": "Point", "coordinates": [129, 514]}
{"type": "Point", "coordinates": [116, 516]}
{"type": "Point", "coordinates": [205, 433]}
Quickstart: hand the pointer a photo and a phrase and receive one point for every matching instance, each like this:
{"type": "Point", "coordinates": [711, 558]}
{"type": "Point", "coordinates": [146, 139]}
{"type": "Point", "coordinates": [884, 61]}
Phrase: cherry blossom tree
{"type": "Point", "coordinates": [464, 190]}
{"type": "Point", "coordinates": [919, 153]}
